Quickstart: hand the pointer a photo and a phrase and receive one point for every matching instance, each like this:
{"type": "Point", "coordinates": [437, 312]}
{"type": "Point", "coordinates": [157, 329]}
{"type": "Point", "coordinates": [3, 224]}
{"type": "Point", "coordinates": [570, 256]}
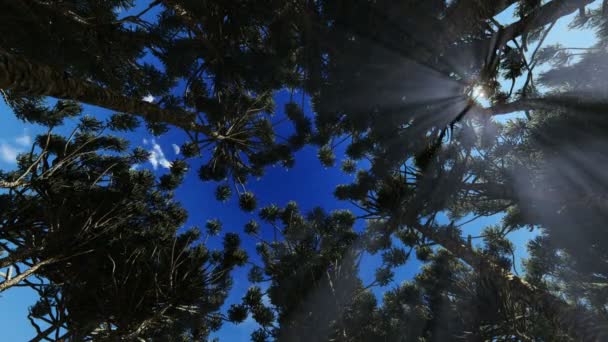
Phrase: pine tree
{"type": "Point", "coordinates": [85, 40]}
{"type": "Point", "coordinates": [396, 81]}
{"type": "Point", "coordinates": [101, 239]}
{"type": "Point", "coordinates": [405, 101]}
{"type": "Point", "coordinates": [230, 71]}
{"type": "Point", "coordinates": [308, 272]}
{"type": "Point", "coordinates": [314, 292]}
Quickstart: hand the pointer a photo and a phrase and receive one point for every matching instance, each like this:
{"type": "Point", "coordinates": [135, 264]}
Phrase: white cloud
{"type": "Point", "coordinates": [176, 149]}
{"type": "Point", "coordinates": [148, 98]}
{"type": "Point", "coordinates": [157, 157]}
{"type": "Point", "coordinates": [8, 153]}
{"type": "Point", "coordinates": [25, 140]}
{"type": "Point", "coordinates": [266, 300]}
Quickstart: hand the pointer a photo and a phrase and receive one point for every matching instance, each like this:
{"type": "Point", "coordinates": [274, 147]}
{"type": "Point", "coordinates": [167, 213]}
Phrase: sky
{"type": "Point", "coordinates": [308, 183]}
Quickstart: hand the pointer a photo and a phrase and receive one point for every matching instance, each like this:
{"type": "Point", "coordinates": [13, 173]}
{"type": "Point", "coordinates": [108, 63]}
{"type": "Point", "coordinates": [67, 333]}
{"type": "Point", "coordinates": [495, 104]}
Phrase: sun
{"type": "Point", "coordinates": [478, 92]}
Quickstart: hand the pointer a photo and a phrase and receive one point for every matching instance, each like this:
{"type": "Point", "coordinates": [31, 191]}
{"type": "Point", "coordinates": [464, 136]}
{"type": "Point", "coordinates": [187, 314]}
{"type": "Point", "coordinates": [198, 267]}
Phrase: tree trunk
{"type": "Point", "coordinates": [22, 76]}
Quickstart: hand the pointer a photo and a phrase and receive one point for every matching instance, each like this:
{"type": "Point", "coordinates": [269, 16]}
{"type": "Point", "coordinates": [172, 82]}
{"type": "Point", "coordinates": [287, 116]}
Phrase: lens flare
{"type": "Point", "coordinates": [478, 92]}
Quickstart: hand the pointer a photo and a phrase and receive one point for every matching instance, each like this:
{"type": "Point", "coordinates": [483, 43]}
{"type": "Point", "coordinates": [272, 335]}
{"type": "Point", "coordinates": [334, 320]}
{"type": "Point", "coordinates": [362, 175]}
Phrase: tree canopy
{"type": "Point", "coordinates": [413, 92]}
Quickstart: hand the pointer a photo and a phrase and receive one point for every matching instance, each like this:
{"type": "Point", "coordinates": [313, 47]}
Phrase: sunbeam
{"type": "Point", "coordinates": [478, 93]}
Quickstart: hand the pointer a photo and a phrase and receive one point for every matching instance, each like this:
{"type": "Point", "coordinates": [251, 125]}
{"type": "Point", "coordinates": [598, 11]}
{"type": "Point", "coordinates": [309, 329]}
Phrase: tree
{"type": "Point", "coordinates": [102, 239]}
{"type": "Point", "coordinates": [223, 103]}
{"type": "Point", "coordinates": [310, 271]}
{"type": "Point", "coordinates": [396, 81]}
{"type": "Point", "coordinates": [448, 301]}
{"type": "Point", "coordinates": [560, 272]}
{"type": "Point", "coordinates": [85, 40]}
{"type": "Point", "coordinates": [314, 292]}
{"type": "Point", "coordinates": [407, 105]}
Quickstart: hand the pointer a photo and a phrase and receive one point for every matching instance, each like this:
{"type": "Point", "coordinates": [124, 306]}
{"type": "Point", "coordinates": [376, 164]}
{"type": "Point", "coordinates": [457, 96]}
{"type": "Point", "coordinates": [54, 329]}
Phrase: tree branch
{"type": "Point", "coordinates": [13, 281]}
{"type": "Point", "coordinates": [562, 101]}
{"type": "Point", "coordinates": [23, 76]}
{"type": "Point", "coordinates": [540, 17]}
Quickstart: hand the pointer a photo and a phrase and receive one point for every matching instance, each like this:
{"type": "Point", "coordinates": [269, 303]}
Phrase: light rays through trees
{"type": "Point", "coordinates": [443, 114]}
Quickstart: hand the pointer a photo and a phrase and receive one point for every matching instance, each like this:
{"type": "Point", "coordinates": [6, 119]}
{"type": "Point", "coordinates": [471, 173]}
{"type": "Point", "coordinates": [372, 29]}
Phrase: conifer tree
{"type": "Point", "coordinates": [408, 106]}
{"type": "Point", "coordinates": [395, 80]}
{"type": "Point", "coordinates": [313, 291]}
{"type": "Point", "coordinates": [308, 274]}
{"type": "Point", "coordinates": [99, 241]}
{"type": "Point", "coordinates": [225, 74]}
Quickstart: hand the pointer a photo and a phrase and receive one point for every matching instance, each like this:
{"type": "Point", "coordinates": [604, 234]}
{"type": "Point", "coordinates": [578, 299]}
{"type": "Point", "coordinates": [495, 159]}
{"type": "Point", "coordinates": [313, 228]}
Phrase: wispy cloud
{"type": "Point", "coordinates": [176, 149]}
{"type": "Point", "coordinates": [25, 140]}
{"type": "Point", "coordinates": [157, 156]}
{"type": "Point", "coordinates": [8, 153]}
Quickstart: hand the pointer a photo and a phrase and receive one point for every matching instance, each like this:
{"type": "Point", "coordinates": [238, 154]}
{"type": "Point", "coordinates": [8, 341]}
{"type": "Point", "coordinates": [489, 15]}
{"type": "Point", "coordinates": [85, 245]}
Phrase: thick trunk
{"type": "Point", "coordinates": [22, 76]}
{"type": "Point", "coordinates": [576, 323]}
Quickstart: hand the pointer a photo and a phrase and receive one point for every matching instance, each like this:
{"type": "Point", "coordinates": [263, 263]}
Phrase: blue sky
{"type": "Point", "coordinates": [308, 183]}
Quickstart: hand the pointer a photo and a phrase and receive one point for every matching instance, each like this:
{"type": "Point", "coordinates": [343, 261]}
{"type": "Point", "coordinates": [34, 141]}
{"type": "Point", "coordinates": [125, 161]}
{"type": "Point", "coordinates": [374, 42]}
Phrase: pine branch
{"type": "Point", "coordinates": [15, 280]}
{"type": "Point", "coordinates": [545, 14]}
{"type": "Point", "coordinates": [191, 22]}
{"type": "Point", "coordinates": [464, 15]}
{"type": "Point", "coordinates": [582, 326]}
{"type": "Point", "coordinates": [29, 78]}
{"type": "Point", "coordinates": [562, 101]}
